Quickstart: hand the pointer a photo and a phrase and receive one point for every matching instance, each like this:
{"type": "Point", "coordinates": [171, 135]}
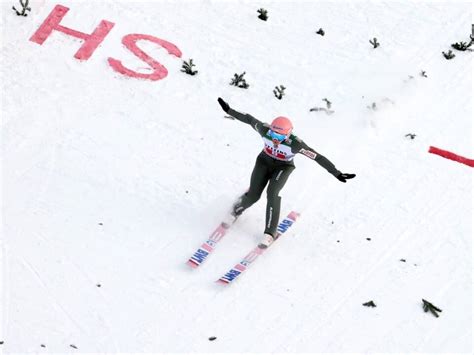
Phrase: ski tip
{"type": "Point", "coordinates": [222, 282]}
{"type": "Point", "coordinates": [192, 264]}
{"type": "Point", "coordinates": [294, 215]}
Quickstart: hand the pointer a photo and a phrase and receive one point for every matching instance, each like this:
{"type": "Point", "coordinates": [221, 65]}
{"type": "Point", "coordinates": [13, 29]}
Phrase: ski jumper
{"type": "Point", "coordinates": [273, 167]}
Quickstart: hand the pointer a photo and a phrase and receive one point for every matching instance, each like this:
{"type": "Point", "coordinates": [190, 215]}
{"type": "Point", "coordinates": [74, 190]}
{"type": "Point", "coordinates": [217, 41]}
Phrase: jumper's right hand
{"type": "Point", "coordinates": [225, 106]}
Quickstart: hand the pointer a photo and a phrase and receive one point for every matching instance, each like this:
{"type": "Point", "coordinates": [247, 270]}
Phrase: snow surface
{"type": "Point", "coordinates": [114, 182]}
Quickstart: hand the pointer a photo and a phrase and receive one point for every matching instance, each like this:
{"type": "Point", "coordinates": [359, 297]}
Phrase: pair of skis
{"type": "Point", "coordinates": [203, 252]}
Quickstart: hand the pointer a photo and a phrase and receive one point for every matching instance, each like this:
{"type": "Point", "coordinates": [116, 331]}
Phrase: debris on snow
{"type": "Point", "coordinates": [24, 5]}
{"type": "Point", "coordinates": [410, 77]}
{"type": "Point", "coordinates": [326, 109]}
{"type": "Point", "coordinates": [428, 306]}
{"type": "Point", "coordinates": [373, 106]}
{"type": "Point", "coordinates": [461, 46]}
{"type": "Point", "coordinates": [263, 14]}
{"type": "Point", "coordinates": [279, 92]}
{"type": "Point", "coordinates": [449, 54]}
{"type": "Point", "coordinates": [239, 81]}
{"type": "Point", "coordinates": [374, 42]}
{"type": "Point", "coordinates": [369, 304]}
{"type": "Point", "coordinates": [188, 67]}
{"type": "Point", "coordinates": [328, 103]}
{"type": "Point", "coordinates": [329, 112]}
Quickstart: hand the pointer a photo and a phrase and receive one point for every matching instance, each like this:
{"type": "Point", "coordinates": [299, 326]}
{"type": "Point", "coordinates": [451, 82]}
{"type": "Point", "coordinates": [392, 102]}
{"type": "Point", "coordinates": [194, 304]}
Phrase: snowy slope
{"type": "Point", "coordinates": [109, 183]}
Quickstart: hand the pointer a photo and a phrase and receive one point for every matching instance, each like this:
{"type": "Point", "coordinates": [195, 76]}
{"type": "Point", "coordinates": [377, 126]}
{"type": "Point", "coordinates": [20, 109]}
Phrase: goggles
{"type": "Point", "coordinates": [277, 136]}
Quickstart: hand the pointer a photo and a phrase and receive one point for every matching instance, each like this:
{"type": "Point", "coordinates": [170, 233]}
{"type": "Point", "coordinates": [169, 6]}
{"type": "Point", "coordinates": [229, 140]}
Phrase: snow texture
{"type": "Point", "coordinates": [110, 183]}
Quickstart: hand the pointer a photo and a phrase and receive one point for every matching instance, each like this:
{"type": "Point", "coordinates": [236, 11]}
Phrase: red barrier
{"type": "Point", "coordinates": [451, 156]}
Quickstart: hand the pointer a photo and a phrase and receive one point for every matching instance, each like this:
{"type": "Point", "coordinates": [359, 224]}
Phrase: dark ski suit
{"type": "Point", "coordinates": [273, 167]}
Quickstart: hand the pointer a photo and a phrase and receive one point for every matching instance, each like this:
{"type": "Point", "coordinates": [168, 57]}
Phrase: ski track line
{"type": "Point", "coordinates": [51, 165]}
{"type": "Point", "coordinates": [106, 303]}
{"type": "Point", "coordinates": [389, 250]}
{"type": "Point", "coordinates": [38, 201]}
{"type": "Point", "coordinates": [5, 292]}
{"type": "Point", "coordinates": [54, 299]}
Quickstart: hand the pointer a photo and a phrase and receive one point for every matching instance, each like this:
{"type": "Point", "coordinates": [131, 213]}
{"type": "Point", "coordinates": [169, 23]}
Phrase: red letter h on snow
{"type": "Point", "coordinates": [91, 42]}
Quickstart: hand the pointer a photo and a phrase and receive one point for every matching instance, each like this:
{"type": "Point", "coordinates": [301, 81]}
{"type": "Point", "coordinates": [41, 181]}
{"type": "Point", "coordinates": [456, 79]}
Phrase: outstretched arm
{"type": "Point", "coordinates": [304, 149]}
{"type": "Point", "coordinates": [243, 117]}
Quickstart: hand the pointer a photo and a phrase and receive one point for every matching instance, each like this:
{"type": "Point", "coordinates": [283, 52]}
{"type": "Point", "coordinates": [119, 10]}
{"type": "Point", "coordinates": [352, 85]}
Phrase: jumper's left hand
{"type": "Point", "coordinates": [343, 177]}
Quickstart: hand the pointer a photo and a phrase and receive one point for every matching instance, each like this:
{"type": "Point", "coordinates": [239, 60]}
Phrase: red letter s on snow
{"type": "Point", "coordinates": [130, 41]}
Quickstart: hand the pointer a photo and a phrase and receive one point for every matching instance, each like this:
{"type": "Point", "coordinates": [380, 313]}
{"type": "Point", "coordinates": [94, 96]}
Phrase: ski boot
{"type": "Point", "coordinates": [266, 241]}
{"type": "Point", "coordinates": [233, 215]}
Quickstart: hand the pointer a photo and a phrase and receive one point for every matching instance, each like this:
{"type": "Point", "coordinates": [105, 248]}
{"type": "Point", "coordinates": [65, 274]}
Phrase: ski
{"type": "Point", "coordinates": [201, 254]}
{"type": "Point", "coordinates": [250, 258]}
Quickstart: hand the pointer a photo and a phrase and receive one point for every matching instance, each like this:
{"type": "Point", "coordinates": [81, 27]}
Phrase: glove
{"type": "Point", "coordinates": [343, 177]}
{"type": "Point", "coordinates": [225, 106]}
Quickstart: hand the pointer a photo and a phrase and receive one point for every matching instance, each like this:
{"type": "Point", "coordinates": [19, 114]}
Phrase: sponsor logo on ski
{"type": "Point", "coordinates": [200, 255]}
{"type": "Point", "coordinates": [231, 275]}
{"type": "Point", "coordinates": [238, 269]}
{"type": "Point", "coordinates": [284, 225]}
